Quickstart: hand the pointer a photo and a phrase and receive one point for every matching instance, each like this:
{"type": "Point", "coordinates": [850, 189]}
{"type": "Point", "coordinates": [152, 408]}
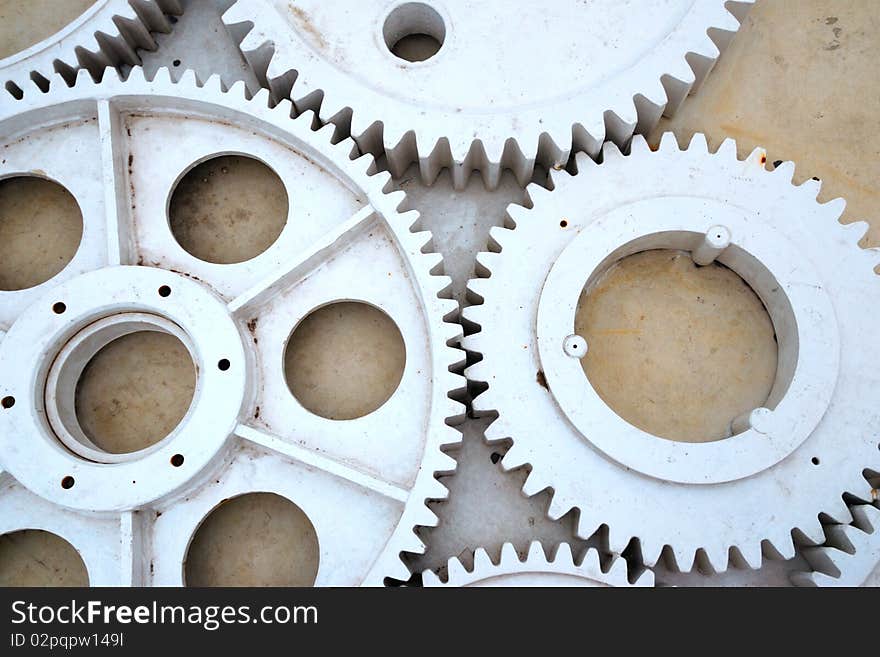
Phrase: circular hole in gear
{"type": "Point", "coordinates": [414, 31]}
{"type": "Point", "coordinates": [344, 360]}
{"type": "Point", "coordinates": [675, 349]}
{"type": "Point", "coordinates": [40, 231]}
{"type": "Point", "coordinates": [24, 24]}
{"type": "Point", "coordinates": [228, 209]}
{"type": "Point", "coordinates": [257, 539]}
{"type": "Point", "coordinates": [135, 391]}
{"type": "Point", "coordinates": [33, 557]}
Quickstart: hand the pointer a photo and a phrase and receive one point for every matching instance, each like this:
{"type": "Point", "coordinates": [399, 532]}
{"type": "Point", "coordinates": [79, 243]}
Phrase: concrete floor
{"type": "Point", "coordinates": [799, 79]}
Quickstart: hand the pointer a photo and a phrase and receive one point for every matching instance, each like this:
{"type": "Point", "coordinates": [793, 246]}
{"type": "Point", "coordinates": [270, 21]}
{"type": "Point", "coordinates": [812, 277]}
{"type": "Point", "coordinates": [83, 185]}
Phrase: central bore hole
{"type": "Point", "coordinates": [258, 539]}
{"type": "Point", "coordinates": [344, 360]}
{"type": "Point", "coordinates": [135, 391]}
{"type": "Point", "coordinates": [33, 557]}
{"type": "Point", "coordinates": [414, 31]}
{"type": "Point", "coordinates": [40, 231]}
{"type": "Point", "coordinates": [675, 349]}
{"type": "Point", "coordinates": [228, 209]}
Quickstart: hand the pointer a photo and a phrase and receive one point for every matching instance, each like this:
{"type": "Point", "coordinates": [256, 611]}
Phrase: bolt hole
{"type": "Point", "coordinates": [177, 460]}
{"type": "Point", "coordinates": [164, 291]}
{"type": "Point", "coordinates": [59, 308]}
{"type": "Point", "coordinates": [68, 482]}
{"type": "Point", "coordinates": [172, 19]}
{"type": "Point", "coordinates": [814, 460]}
{"type": "Point", "coordinates": [176, 62]}
{"type": "Point", "coordinates": [563, 224]}
{"type": "Point", "coordinates": [495, 457]}
{"type": "Point", "coordinates": [414, 32]}
{"type": "Point", "coordinates": [223, 364]}
{"type": "Point", "coordinates": [8, 402]}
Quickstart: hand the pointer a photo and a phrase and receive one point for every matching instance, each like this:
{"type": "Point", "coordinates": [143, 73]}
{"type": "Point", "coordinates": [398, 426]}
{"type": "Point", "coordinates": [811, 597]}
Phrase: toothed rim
{"type": "Point", "coordinates": [609, 498]}
{"type": "Point", "coordinates": [434, 288]}
{"type": "Point", "coordinates": [108, 33]}
{"type": "Point", "coordinates": [510, 570]}
{"type": "Point", "coordinates": [850, 555]}
{"type": "Point", "coordinates": [632, 101]}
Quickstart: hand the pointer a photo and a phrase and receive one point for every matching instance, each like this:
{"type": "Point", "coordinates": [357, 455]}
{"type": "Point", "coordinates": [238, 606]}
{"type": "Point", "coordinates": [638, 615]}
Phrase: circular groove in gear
{"type": "Point", "coordinates": [41, 228]}
{"type": "Point", "coordinates": [256, 539]}
{"type": "Point", "coordinates": [33, 557]}
{"type": "Point", "coordinates": [24, 24]}
{"type": "Point", "coordinates": [228, 209]}
{"type": "Point", "coordinates": [660, 328]}
{"type": "Point", "coordinates": [344, 360]}
{"type": "Point", "coordinates": [414, 31]}
{"type": "Point", "coordinates": [135, 391]}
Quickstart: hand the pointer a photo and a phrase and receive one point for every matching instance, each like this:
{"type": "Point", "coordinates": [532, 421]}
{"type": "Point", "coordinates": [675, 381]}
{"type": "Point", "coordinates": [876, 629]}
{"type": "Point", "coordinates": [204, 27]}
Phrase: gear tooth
{"type": "Point", "coordinates": [639, 144]}
{"type": "Point", "coordinates": [83, 77]}
{"type": "Point", "coordinates": [563, 554]}
{"type": "Point", "coordinates": [455, 570]}
{"type": "Point", "coordinates": [214, 84]}
{"type": "Point", "coordinates": [533, 484]}
{"type": "Point", "coordinates": [785, 171]}
{"type": "Point", "coordinates": [645, 579]}
{"type": "Point", "coordinates": [189, 78]}
{"type": "Point", "coordinates": [728, 148]}
{"type": "Point", "coordinates": [162, 76]}
{"type": "Point", "coordinates": [867, 518]}
{"type": "Point", "coordinates": [516, 457]}
{"type": "Point", "coordinates": [496, 431]}
{"type": "Point", "coordinates": [698, 144]}
{"type": "Point", "coordinates": [509, 557]}
{"type": "Point", "coordinates": [617, 571]}
{"type": "Point", "coordinates": [812, 187]}
{"type": "Point", "coordinates": [477, 372]}
{"type": "Point", "coordinates": [668, 143]}
{"type": "Point", "coordinates": [557, 509]}
{"type": "Point", "coordinates": [536, 552]}
{"type": "Point", "coordinates": [430, 579]}
{"type": "Point", "coordinates": [611, 151]}
{"type": "Point", "coordinates": [238, 89]}
{"type": "Point", "coordinates": [651, 550]}
{"type": "Point", "coordinates": [858, 229]}
{"type": "Point", "coordinates": [718, 557]}
{"type": "Point", "coordinates": [482, 560]}
{"type": "Point", "coordinates": [758, 157]}
{"type": "Point", "coordinates": [835, 207]}
{"type": "Point", "coordinates": [751, 554]}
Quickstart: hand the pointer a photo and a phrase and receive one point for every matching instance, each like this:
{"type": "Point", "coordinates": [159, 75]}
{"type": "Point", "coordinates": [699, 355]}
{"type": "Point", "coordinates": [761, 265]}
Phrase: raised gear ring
{"type": "Point", "coordinates": [536, 570]}
{"type": "Point", "coordinates": [119, 147]}
{"type": "Point", "coordinates": [498, 93]}
{"type": "Point", "coordinates": [758, 490]}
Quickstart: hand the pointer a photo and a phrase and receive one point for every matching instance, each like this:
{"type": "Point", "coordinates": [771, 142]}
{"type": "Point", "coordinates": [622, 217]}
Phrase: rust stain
{"type": "Point", "coordinates": [305, 22]}
{"type": "Point", "coordinates": [542, 380]}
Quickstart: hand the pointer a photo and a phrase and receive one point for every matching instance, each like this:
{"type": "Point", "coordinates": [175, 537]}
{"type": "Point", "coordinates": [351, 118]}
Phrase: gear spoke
{"type": "Point", "coordinates": [313, 459]}
{"type": "Point", "coordinates": [299, 265]}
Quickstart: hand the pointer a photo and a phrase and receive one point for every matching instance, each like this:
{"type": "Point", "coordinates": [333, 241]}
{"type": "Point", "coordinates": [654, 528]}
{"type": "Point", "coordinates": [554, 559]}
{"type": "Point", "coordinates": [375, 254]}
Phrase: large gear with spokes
{"type": "Point", "coordinates": [536, 570]}
{"type": "Point", "coordinates": [480, 101]}
{"type": "Point", "coordinates": [108, 33]}
{"type": "Point", "coordinates": [132, 516]}
{"type": "Point", "coordinates": [788, 464]}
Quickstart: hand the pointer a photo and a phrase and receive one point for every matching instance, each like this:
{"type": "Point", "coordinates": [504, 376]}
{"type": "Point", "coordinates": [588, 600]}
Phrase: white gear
{"type": "Point", "coordinates": [108, 33]}
{"type": "Point", "coordinates": [499, 93]}
{"type": "Point", "coordinates": [119, 147]}
{"type": "Point", "coordinates": [850, 555]}
{"type": "Point", "coordinates": [537, 570]}
{"type": "Point", "coordinates": [756, 491]}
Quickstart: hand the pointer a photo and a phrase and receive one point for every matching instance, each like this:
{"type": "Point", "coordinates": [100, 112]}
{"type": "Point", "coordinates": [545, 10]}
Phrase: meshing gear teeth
{"type": "Point", "coordinates": [109, 33]}
{"type": "Point", "coordinates": [536, 570]}
{"type": "Point", "coordinates": [754, 493]}
{"type": "Point", "coordinates": [498, 94]}
{"type": "Point", "coordinates": [131, 516]}
{"type": "Point", "coordinates": [850, 555]}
